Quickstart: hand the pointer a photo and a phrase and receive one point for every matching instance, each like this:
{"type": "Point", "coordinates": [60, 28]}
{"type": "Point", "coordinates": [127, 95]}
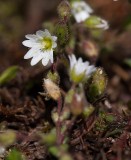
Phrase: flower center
{"type": "Point", "coordinates": [47, 43]}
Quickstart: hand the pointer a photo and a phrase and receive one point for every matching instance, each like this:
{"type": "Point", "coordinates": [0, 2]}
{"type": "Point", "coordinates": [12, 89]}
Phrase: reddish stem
{"type": "Point", "coordinates": [58, 124]}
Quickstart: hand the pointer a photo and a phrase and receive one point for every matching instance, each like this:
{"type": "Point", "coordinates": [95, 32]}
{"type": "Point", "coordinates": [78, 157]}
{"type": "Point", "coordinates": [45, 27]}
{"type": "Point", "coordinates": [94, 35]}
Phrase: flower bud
{"type": "Point", "coordinates": [52, 89]}
{"type": "Point", "coordinates": [64, 115]}
{"type": "Point", "coordinates": [77, 104]}
{"type": "Point", "coordinates": [89, 48]}
{"type": "Point", "coordinates": [94, 22]}
{"type": "Point", "coordinates": [96, 85]}
{"type": "Point", "coordinates": [64, 10]}
{"type": "Point", "coordinates": [62, 33]}
{"type": "Point", "coordinates": [75, 101]}
{"type": "Point", "coordinates": [54, 77]}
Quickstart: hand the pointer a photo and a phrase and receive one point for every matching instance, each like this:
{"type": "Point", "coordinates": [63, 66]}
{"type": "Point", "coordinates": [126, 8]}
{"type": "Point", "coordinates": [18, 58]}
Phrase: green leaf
{"type": "Point", "coordinates": [15, 155]}
{"type": "Point", "coordinates": [54, 151]}
{"type": "Point", "coordinates": [49, 138]}
{"type": "Point", "coordinates": [8, 74]}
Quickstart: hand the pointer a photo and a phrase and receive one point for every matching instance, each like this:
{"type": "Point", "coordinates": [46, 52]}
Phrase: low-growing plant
{"type": "Point", "coordinates": [87, 83]}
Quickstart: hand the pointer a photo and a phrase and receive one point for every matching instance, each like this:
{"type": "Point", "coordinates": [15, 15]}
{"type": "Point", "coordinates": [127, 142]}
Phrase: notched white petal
{"type": "Point", "coordinates": [54, 45]}
{"type": "Point", "coordinates": [31, 37]}
{"type": "Point", "coordinates": [45, 61]}
{"type": "Point", "coordinates": [27, 43]}
{"type": "Point", "coordinates": [35, 60]}
{"type": "Point", "coordinates": [51, 56]}
{"type": "Point", "coordinates": [30, 53]}
{"type": "Point", "coordinates": [47, 33]}
{"type": "Point", "coordinates": [40, 33]}
{"type": "Point", "coordinates": [54, 38]}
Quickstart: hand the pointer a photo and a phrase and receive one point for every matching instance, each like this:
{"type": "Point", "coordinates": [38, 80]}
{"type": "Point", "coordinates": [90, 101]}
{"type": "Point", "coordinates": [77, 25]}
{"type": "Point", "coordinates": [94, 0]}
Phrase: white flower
{"type": "Point", "coordinates": [81, 10]}
{"type": "Point", "coordinates": [79, 69]}
{"type": "Point", "coordinates": [41, 47]}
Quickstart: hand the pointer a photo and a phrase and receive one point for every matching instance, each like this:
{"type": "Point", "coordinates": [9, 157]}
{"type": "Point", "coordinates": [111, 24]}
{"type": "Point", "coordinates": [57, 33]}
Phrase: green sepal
{"type": "Point", "coordinates": [62, 32]}
{"type": "Point", "coordinates": [96, 85]}
{"type": "Point", "coordinates": [92, 22]}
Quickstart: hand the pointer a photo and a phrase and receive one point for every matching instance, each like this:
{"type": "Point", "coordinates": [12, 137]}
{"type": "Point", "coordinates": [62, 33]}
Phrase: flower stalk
{"type": "Point", "coordinates": [58, 123]}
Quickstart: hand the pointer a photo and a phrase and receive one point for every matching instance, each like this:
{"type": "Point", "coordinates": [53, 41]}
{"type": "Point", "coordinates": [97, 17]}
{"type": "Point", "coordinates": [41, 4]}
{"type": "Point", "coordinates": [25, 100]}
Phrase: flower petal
{"type": "Point", "coordinates": [31, 37]}
{"type": "Point", "coordinates": [47, 33]}
{"type": "Point", "coordinates": [40, 34]}
{"type": "Point", "coordinates": [87, 7]}
{"type": "Point", "coordinates": [28, 43]}
{"type": "Point", "coordinates": [73, 60]}
{"type": "Point", "coordinates": [31, 53]}
{"type": "Point", "coordinates": [54, 38]}
{"type": "Point", "coordinates": [90, 70]}
{"type": "Point", "coordinates": [36, 59]}
{"type": "Point", "coordinates": [82, 16]}
{"type": "Point", "coordinates": [51, 56]}
{"type": "Point", "coordinates": [45, 59]}
{"type": "Point", "coordinates": [54, 45]}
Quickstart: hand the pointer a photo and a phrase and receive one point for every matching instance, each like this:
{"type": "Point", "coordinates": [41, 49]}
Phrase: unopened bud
{"type": "Point", "coordinates": [89, 48]}
{"type": "Point", "coordinates": [52, 89]}
{"type": "Point", "coordinates": [62, 32]}
{"type": "Point", "coordinates": [64, 115]}
{"type": "Point", "coordinates": [94, 22]}
{"type": "Point", "coordinates": [77, 104]}
{"type": "Point", "coordinates": [64, 10]}
{"type": "Point", "coordinates": [96, 85]}
{"type": "Point", "coordinates": [54, 77]}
